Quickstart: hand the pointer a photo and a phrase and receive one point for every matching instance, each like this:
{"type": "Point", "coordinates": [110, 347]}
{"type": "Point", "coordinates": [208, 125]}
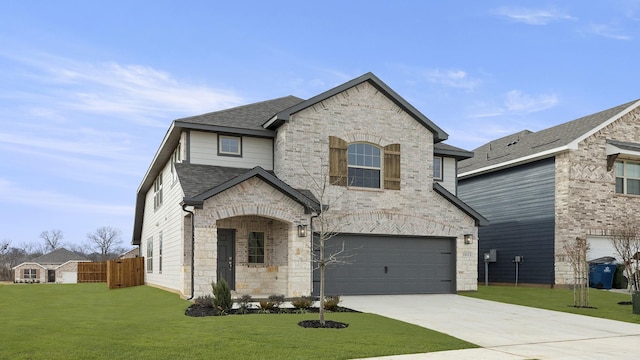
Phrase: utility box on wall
{"type": "Point", "coordinates": [491, 256]}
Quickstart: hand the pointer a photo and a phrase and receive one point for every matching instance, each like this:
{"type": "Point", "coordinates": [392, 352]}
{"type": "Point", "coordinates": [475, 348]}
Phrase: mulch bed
{"type": "Point", "coordinates": [197, 310]}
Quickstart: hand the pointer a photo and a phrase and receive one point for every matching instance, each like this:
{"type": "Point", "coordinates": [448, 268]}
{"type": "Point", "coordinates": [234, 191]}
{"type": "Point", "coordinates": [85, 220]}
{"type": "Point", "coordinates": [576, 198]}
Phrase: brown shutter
{"type": "Point", "coordinates": [337, 161]}
{"type": "Point", "coordinates": [392, 167]}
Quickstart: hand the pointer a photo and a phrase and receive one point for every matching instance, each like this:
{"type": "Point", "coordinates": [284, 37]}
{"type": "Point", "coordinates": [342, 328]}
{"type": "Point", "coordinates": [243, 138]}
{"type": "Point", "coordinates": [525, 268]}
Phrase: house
{"type": "Point", "coordinates": [232, 194]}
{"type": "Point", "coordinates": [543, 189]}
{"type": "Point", "coordinates": [133, 253]}
{"type": "Point", "coordinates": [58, 266]}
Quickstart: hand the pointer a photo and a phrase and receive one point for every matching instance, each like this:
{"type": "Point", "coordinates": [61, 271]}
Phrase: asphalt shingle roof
{"type": "Point", "coordinates": [527, 143]}
{"type": "Point", "coordinates": [59, 256]}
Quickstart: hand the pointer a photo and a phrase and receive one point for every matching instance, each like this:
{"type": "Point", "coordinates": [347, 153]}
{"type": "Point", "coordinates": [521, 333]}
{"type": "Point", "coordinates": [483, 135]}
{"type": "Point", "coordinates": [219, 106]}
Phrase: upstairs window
{"type": "Point", "coordinates": [157, 192]}
{"type": "Point", "coordinates": [256, 247]}
{"type": "Point", "coordinates": [437, 168]}
{"type": "Point", "coordinates": [229, 145]}
{"type": "Point", "coordinates": [627, 177]}
{"type": "Point", "coordinates": [175, 158]}
{"type": "Point", "coordinates": [363, 165]}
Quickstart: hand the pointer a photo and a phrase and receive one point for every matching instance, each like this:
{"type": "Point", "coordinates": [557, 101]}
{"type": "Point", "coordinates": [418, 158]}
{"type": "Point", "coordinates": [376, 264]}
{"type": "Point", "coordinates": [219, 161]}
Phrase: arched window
{"type": "Point", "coordinates": [363, 165]}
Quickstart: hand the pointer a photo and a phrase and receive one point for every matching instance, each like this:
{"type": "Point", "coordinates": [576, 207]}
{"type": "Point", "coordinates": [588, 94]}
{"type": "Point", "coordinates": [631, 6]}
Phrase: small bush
{"type": "Point", "coordinates": [277, 300]}
{"type": "Point", "coordinates": [302, 303]}
{"type": "Point", "coordinates": [266, 306]}
{"type": "Point", "coordinates": [222, 296]}
{"type": "Point", "coordinates": [244, 301]}
{"type": "Point", "coordinates": [331, 303]}
{"type": "Point", "coordinates": [206, 301]}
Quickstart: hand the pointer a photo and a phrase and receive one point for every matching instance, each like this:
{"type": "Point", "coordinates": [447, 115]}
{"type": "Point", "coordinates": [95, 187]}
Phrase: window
{"type": "Point", "coordinates": [256, 248]}
{"type": "Point", "coordinates": [30, 274]}
{"type": "Point", "coordinates": [437, 168]}
{"type": "Point", "coordinates": [363, 165]}
{"type": "Point", "coordinates": [175, 158]}
{"type": "Point", "coordinates": [150, 255]}
{"type": "Point", "coordinates": [160, 253]}
{"type": "Point", "coordinates": [157, 192]}
{"type": "Point", "coordinates": [229, 145]}
{"type": "Point", "coordinates": [628, 177]}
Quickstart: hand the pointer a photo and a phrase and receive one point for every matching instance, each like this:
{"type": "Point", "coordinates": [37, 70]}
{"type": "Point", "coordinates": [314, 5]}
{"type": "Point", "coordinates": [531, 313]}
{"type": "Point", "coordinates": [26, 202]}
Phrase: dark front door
{"type": "Point", "coordinates": [51, 276]}
{"type": "Point", "coordinates": [227, 256]}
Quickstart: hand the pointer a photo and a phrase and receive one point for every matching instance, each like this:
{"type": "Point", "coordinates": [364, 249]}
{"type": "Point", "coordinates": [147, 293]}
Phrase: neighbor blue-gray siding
{"type": "Point", "coordinates": [519, 204]}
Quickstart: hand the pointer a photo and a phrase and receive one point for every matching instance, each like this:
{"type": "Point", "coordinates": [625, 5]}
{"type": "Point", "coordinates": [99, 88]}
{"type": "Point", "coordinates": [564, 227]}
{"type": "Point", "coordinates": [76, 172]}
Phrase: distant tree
{"type": "Point", "coordinates": [626, 242]}
{"type": "Point", "coordinates": [51, 239]}
{"type": "Point", "coordinates": [33, 249]}
{"type": "Point", "coordinates": [104, 240]}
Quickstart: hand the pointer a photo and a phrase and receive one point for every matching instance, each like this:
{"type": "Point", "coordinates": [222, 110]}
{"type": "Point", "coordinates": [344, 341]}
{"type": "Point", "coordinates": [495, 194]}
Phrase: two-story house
{"type": "Point", "coordinates": [541, 190]}
{"type": "Point", "coordinates": [234, 194]}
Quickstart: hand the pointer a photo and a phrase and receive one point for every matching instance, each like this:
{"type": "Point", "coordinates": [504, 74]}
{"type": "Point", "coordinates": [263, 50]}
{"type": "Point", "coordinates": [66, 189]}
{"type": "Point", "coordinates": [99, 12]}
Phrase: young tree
{"type": "Point", "coordinates": [51, 239]}
{"type": "Point", "coordinates": [626, 242]}
{"type": "Point", "coordinates": [576, 254]}
{"type": "Point", "coordinates": [104, 240]}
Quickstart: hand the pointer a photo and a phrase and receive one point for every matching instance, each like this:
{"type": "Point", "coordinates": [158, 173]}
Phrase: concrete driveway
{"type": "Point", "coordinates": [506, 331]}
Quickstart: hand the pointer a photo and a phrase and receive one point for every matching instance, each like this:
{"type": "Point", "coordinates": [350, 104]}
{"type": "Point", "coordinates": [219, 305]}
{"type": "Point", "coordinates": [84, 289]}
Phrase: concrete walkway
{"type": "Point", "coordinates": [506, 331]}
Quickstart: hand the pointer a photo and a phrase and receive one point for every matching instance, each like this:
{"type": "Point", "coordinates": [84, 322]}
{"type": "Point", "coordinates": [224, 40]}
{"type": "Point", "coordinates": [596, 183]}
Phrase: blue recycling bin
{"type": "Point", "coordinates": [601, 276]}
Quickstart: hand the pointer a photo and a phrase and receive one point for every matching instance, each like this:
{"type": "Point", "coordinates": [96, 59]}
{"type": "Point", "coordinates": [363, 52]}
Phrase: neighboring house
{"type": "Point", "coordinates": [230, 195]}
{"type": "Point", "coordinates": [59, 266]}
{"type": "Point", "coordinates": [133, 253]}
{"type": "Point", "coordinates": [542, 189]}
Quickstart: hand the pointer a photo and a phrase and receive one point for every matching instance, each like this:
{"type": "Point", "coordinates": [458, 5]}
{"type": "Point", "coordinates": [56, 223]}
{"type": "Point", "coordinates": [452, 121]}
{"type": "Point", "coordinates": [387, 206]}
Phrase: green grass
{"type": "Point", "coordinates": [88, 321]}
{"type": "Point", "coordinates": [604, 304]}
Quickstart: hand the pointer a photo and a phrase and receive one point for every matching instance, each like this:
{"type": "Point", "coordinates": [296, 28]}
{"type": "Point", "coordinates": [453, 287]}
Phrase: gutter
{"type": "Point", "coordinates": [193, 243]}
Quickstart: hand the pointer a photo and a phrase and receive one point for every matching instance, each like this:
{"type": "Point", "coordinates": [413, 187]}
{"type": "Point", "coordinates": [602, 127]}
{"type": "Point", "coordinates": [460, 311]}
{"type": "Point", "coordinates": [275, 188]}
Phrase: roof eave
{"type": "Point", "coordinates": [514, 162]}
{"type": "Point", "coordinates": [479, 219]}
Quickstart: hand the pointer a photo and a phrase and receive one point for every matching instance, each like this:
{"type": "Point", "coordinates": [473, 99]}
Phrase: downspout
{"type": "Point", "coordinates": [193, 244]}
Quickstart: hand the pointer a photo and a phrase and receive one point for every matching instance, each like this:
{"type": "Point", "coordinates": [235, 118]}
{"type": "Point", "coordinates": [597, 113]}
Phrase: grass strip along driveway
{"type": "Point", "coordinates": [603, 303]}
{"type": "Point", "coordinates": [88, 321]}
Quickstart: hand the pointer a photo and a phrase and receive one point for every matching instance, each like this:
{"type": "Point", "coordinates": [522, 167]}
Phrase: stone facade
{"type": "Point", "coordinates": [586, 202]}
{"type": "Point", "coordinates": [364, 114]}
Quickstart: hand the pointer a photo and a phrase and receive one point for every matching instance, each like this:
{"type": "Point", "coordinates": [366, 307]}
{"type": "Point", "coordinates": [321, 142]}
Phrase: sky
{"type": "Point", "coordinates": [88, 89]}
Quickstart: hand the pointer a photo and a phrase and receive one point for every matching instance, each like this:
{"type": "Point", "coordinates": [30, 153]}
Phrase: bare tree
{"type": "Point", "coordinates": [626, 242]}
{"type": "Point", "coordinates": [104, 240]}
{"type": "Point", "coordinates": [576, 254]}
{"type": "Point", "coordinates": [51, 239]}
{"type": "Point", "coordinates": [325, 225]}
{"type": "Point", "coordinates": [33, 249]}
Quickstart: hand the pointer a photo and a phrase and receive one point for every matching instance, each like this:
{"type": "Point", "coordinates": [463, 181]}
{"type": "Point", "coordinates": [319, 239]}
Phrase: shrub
{"type": "Point", "coordinates": [244, 301]}
{"type": "Point", "coordinates": [206, 301]}
{"type": "Point", "coordinates": [302, 303]}
{"type": "Point", "coordinates": [266, 306]}
{"type": "Point", "coordinates": [277, 300]}
{"type": "Point", "coordinates": [222, 296]}
{"type": "Point", "coordinates": [331, 303]}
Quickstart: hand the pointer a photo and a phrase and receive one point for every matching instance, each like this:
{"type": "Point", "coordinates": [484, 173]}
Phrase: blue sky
{"type": "Point", "coordinates": [89, 88]}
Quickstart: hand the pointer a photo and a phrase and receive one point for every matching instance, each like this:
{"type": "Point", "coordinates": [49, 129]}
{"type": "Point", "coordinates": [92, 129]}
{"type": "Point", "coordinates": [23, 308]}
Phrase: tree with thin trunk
{"type": "Point", "coordinates": [51, 239]}
{"type": "Point", "coordinates": [626, 242]}
{"type": "Point", "coordinates": [104, 240]}
{"type": "Point", "coordinates": [576, 253]}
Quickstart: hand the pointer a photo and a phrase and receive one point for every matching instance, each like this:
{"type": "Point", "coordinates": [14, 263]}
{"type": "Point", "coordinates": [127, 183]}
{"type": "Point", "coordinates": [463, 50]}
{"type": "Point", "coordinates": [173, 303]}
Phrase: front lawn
{"type": "Point", "coordinates": [604, 303]}
{"type": "Point", "coordinates": [89, 321]}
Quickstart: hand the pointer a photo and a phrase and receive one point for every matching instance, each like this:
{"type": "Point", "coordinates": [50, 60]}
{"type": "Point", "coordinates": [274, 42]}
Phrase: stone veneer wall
{"type": "Point", "coordinates": [363, 114]}
{"type": "Point", "coordinates": [586, 202]}
{"type": "Point", "coordinates": [250, 204]}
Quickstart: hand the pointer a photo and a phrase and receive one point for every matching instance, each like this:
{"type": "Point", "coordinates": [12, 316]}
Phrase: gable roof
{"type": "Point", "coordinates": [285, 115]}
{"type": "Point", "coordinates": [59, 256]}
{"type": "Point", "coordinates": [527, 146]}
{"type": "Point", "coordinates": [442, 149]}
{"type": "Point", "coordinates": [303, 198]}
{"type": "Point", "coordinates": [480, 220]}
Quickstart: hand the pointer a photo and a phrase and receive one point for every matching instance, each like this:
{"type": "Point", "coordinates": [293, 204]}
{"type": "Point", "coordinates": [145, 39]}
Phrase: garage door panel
{"type": "Point", "coordinates": [391, 265]}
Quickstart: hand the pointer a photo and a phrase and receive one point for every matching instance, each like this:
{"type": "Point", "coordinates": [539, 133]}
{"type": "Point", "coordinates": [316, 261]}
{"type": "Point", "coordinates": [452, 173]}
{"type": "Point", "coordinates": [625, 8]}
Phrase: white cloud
{"type": "Point", "coordinates": [609, 31]}
{"type": "Point", "coordinates": [13, 193]}
{"type": "Point", "coordinates": [452, 78]}
{"type": "Point", "coordinates": [532, 16]}
{"type": "Point", "coordinates": [518, 102]}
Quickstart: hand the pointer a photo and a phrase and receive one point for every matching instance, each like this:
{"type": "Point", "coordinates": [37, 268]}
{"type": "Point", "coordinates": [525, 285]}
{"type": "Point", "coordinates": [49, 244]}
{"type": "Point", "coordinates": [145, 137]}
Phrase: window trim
{"type": "Point", "coordinates": [157, 192]}
{"type": "Point", "coordinates": [256, 256]}
{"type": "Point", "coordinates": [176, 157]}
{"type": "Point", "coordinates": [440, 177]}
{"type": "Point", "coordinates": [624, 177]}
{"type": "Point", "coordinates": [228, 153]}
{"type": "Point", "coordinates": [380, 169]}
{"type": "Point", "coordinates": [149, 258]}
{"type": "Point", "coordinates": [31, 275]}
{"type": "Point", "coordinates": [160, 253]}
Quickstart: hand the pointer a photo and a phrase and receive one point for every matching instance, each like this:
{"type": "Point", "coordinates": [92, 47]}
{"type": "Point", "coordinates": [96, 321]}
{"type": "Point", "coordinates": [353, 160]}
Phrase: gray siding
{"type": "Point", "coordinates": [519, 203]}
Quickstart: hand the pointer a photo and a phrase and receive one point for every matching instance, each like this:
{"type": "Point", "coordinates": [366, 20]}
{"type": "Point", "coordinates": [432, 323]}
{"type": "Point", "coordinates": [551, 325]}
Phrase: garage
{"type": "Point", "coordinates": [383, 264]}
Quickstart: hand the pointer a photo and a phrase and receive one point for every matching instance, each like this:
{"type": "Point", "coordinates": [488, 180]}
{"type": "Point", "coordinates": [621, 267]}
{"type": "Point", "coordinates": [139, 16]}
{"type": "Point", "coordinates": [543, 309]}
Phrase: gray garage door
{"type": "Point", "coordinates": [390, 265]}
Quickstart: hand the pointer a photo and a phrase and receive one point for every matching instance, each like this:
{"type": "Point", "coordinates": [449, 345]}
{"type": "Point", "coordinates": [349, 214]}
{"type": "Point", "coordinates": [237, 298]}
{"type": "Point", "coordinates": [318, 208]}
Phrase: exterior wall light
{"type": "Point", "coordinates": [302, 230]}
{"type": "Point", "coordinates": [468, 238]}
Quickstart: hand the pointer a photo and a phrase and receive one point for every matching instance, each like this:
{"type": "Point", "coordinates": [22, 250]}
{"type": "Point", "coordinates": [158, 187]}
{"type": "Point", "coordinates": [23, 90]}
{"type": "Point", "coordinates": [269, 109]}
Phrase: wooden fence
{"type": "Point", "coordinates": [125, 272]}
{"type": "Point", "coordinates": [91, 272]}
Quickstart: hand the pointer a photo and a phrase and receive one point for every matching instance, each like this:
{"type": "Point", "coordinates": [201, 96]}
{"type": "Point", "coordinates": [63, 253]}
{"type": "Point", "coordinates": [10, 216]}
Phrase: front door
{"type": "Point", "coordinates": [227, 256]}
{"type": "Point", "coordinates": [51, 276]}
